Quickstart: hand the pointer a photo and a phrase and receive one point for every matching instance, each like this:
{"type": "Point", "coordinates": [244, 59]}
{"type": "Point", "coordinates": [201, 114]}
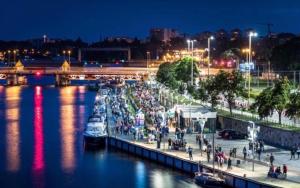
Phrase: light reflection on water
{"type": "Point", "coordinates": [41, 131]}
{"type": "Point", "coordinates": [38, 156]}
{"type": "Point", "coordinates": [12, 114]}
{"type": "Point", "coordinates": [67, 110]}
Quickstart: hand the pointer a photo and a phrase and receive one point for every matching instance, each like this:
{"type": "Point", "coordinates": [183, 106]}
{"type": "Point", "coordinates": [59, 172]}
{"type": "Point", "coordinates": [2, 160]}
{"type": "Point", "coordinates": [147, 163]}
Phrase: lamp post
{"type": "Point", "coordinates": [251, 34]}
{"type": "Point", "coordinates": [69, 53]}
{"type": "Point", "coordinates": [148, 57]}
{"type": "Point", "coordinates": [192, 68]}
{"type": "Point", "coordinates": [8, 57]}
{"type": "Point", "coordinates": [15, 52]}
{"type": "Point", "coordinates": [202, 121]}
{"type": "Point", "coordinates": [253, 131]}
{"type": "Point", "coordinates": [64, 52]}
{"type": "Point", "coordinates": [208, 53]}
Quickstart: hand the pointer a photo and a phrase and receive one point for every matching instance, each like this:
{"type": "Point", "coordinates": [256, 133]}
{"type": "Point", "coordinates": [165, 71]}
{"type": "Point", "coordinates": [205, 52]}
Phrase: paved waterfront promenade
{"type": "Point", "coordinates": [261, 167]}
{"type": "Point", "coordinates": [260, 173]}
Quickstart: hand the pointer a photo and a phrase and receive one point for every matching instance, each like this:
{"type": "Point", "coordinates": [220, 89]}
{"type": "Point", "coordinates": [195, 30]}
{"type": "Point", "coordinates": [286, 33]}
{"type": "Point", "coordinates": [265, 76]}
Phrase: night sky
{"type": "Point", "coordinates": [93, 19]}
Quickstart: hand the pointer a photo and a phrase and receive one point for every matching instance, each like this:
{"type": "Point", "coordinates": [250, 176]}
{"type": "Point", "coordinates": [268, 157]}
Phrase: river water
{"type": "Point", "coordinates": [41, 145]}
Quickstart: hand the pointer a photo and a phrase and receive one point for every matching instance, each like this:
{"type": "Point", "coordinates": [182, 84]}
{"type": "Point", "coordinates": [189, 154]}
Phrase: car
{"type": "Point", "coordinates": [232, 134]}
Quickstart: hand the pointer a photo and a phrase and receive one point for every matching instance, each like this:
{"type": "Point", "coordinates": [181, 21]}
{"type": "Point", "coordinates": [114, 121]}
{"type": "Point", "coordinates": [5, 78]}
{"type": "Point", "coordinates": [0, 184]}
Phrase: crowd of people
{"type": "Point", "coordinates": [278, 173]}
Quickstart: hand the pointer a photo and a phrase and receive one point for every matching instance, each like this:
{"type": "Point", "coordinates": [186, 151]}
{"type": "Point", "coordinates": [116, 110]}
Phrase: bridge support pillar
{"type": "Point", "coordinates": [62, 80]}
{"type": "Point", "coordinates": [15, 80]}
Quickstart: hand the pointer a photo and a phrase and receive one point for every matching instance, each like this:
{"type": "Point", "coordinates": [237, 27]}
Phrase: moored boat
{"type": "Point", "coordinates": [205, 179]}
{"type": "Point", "coordinates": [95, 132]}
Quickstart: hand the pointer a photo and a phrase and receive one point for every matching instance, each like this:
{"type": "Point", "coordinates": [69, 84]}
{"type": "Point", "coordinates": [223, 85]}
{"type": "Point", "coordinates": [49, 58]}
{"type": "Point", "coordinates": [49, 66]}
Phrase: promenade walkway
{"type": "Point", "coordinates": [260, 173]}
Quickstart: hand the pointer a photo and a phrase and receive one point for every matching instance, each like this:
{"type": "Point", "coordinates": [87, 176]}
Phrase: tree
{"type": "Point", "coordinates": [230, 84]}
{"type": "Point", "coordinates": [166, 74]}
{"type": "Point", "coordinates": [208, 91]}
{"type": "Point", "coordinates": [263, 103]}
{"type": "Point", "coordinates": [293, 108]}
{"type": "Point", "coordinates": [280, 96]}
{"type": "Point", "coordinates": [276, 98]}
{"type": "Point", "coordinates": [184, 69]}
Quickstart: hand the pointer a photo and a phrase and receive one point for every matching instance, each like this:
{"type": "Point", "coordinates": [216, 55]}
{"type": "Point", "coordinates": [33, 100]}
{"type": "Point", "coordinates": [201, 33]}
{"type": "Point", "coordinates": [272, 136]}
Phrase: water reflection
{"type": "Point", "coordinates": [67, 130]}
{"type": "Point", "coordinates": [140, 174]}
{"type": "Point", "coordinates": [12, 114]}
{"type": "Point", "coordinates": [38, 156]}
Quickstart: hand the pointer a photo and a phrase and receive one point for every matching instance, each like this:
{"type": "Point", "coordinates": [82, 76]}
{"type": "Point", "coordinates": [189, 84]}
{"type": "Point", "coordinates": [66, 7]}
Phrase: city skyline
{"type": "Point", "coordinates": [94, 20]}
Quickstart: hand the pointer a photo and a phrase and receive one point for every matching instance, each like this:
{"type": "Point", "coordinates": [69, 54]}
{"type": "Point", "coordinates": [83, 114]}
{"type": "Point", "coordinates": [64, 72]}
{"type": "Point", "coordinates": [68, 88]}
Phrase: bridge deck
{"type": "Point", "coordinates": [80, 71]}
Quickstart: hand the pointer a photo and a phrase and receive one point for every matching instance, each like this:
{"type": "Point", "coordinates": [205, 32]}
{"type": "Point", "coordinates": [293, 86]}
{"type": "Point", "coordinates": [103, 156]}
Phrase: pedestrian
{"type": "Point", "coordinates": [284, 169]}
{"type": "Point", "coordinates": [200, 144]}
{"type": "Point", "coordinates": [197, 138]}
{"type": "Point", "coordinates": [190, 151]}
{"type": "Point", "coordinates": [258, 152]}
{"type": "Point", "coordinates": [272, 158]}
{"type": "Point", "coordinates": [292, 153]}
{"type": "Point", "coordinates": [229, 167]}
{"type": "Point", "coordinates": [262, 147]}
{"type": "Point", "coordinates": [208, 155]}
{"type": "Point", "coordinates": [245, 152]}
{"type": "Point", "coordinates": [169, 143]}
{"type": "Point", "coordinates": [298, 151]}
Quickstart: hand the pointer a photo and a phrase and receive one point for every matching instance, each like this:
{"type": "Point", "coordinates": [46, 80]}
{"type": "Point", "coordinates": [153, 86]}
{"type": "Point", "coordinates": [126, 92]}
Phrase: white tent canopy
{"type": "Point", "coordinates": [195, 111]}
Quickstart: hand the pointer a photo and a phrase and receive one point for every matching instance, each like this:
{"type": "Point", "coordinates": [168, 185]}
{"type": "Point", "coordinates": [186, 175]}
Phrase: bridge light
{"type": "Point", "coordinates": [38, 73]}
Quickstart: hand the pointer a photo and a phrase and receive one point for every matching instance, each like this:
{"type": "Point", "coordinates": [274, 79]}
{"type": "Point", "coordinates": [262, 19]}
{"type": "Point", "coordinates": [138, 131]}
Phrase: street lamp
{"type": "Point", "coordinates": [148, 57]}
{"type": "Point", "coordinates": [192, 69]}
{"type": "Point", "coordinates": [202, 121]}
{"type": "Point", "coordinates": [251, 34]}
{"type": "Point", "coordinates": [64, 52]}
{"type": "Point", "coordinates": [253, 131]}
{"type": "Point", "coordinates": [15, 52]}
{"type": "Point", "coordinates": [69, 53]}
{"type": "Point", "coordinates": [208, 53]}
{"type": "Point", "coordinates": [8, 57]}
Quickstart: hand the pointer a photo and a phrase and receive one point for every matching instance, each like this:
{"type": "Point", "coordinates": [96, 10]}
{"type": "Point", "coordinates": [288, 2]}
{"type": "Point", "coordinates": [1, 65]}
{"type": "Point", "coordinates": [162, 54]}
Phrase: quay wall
{"type": "Point", "coordinates": [183, 165]}
{"type": "Point", "coordinates": [271, 135]}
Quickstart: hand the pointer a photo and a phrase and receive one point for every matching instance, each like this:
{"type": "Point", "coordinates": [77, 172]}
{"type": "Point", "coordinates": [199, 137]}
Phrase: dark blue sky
{"type": "Point", "coordinates": [90, 19]}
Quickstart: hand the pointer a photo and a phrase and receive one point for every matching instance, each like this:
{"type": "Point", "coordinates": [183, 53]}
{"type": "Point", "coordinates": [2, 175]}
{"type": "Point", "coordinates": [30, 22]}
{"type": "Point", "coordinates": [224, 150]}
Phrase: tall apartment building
{"type": "Point", "coordinates": [163, 34]}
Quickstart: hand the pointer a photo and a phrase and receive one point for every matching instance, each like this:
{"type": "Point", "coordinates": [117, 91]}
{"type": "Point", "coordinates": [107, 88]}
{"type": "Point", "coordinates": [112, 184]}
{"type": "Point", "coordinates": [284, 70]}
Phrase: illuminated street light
{"type": "Point", "coordinates": [15, 52]}
{"type": "Point", "coordinates": [8, 57]}
{"type": "Point", "coordinates": [69, 53]}
{"type": "Point", "coordinates": [208, 53]}
{"type": "Point", "coordinates": [251, 34]}
{"type": "Point", "coordinates": [192, 71]}
{"type": "Point", "coordinates": [64, 52]}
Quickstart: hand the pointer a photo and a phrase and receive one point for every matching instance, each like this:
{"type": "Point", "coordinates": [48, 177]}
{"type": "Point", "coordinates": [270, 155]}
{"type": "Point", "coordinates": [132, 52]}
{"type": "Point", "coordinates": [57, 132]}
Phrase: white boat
{"type": "Point", "coordinates": [209, 180]}
{"type": "Point", "coordinates": [95, 132]}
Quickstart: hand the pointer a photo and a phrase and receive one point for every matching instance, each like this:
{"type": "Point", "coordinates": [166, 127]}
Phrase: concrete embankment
{"type": "Point", "coordinates": [176, 162]}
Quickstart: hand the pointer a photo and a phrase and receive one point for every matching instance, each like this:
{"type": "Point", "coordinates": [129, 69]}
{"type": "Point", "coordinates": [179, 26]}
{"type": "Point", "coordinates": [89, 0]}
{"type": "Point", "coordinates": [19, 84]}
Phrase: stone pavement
{"type": "Point", "coordinates": [261, 167]}
{"type": "Point", "coordinates": [260, 173]}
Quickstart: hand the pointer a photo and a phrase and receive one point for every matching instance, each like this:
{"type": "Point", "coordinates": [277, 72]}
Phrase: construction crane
{"type": "Point", "coordinates": [269, 27]}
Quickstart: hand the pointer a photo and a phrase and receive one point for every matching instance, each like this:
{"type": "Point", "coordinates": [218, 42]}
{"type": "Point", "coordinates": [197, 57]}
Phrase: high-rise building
{"type": "Point", "coordinates": [163, 34]}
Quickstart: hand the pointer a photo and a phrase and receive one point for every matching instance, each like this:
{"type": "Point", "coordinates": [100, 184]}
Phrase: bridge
{"type": "Point", "coordinates": [17, 75]}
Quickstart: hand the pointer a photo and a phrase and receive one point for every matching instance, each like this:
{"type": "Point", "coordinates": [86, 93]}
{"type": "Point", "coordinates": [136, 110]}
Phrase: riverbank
{"type": "Point", "coordinates": [180, 160]}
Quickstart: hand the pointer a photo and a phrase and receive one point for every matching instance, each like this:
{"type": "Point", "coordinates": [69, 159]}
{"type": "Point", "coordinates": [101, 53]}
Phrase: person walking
{"type": "Point", "coordinates": [245, 152]}
{"type": "Point", "coordinates": [298, 151]}
{"type": "Point", "coordinates": [284, 170]}
{"type": "Point", "coordinates": [292, 153]}
{"type": "Point", "coordinates": [258, 152]}
{"type": "Point", "coordinates": [208, 155]}
{"type": "Point", "coordinates": [190, 151]}
{"type": "Point", "coordinates": [272, 158]}
{"type": "Point", "coordinates": [229, 167]}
